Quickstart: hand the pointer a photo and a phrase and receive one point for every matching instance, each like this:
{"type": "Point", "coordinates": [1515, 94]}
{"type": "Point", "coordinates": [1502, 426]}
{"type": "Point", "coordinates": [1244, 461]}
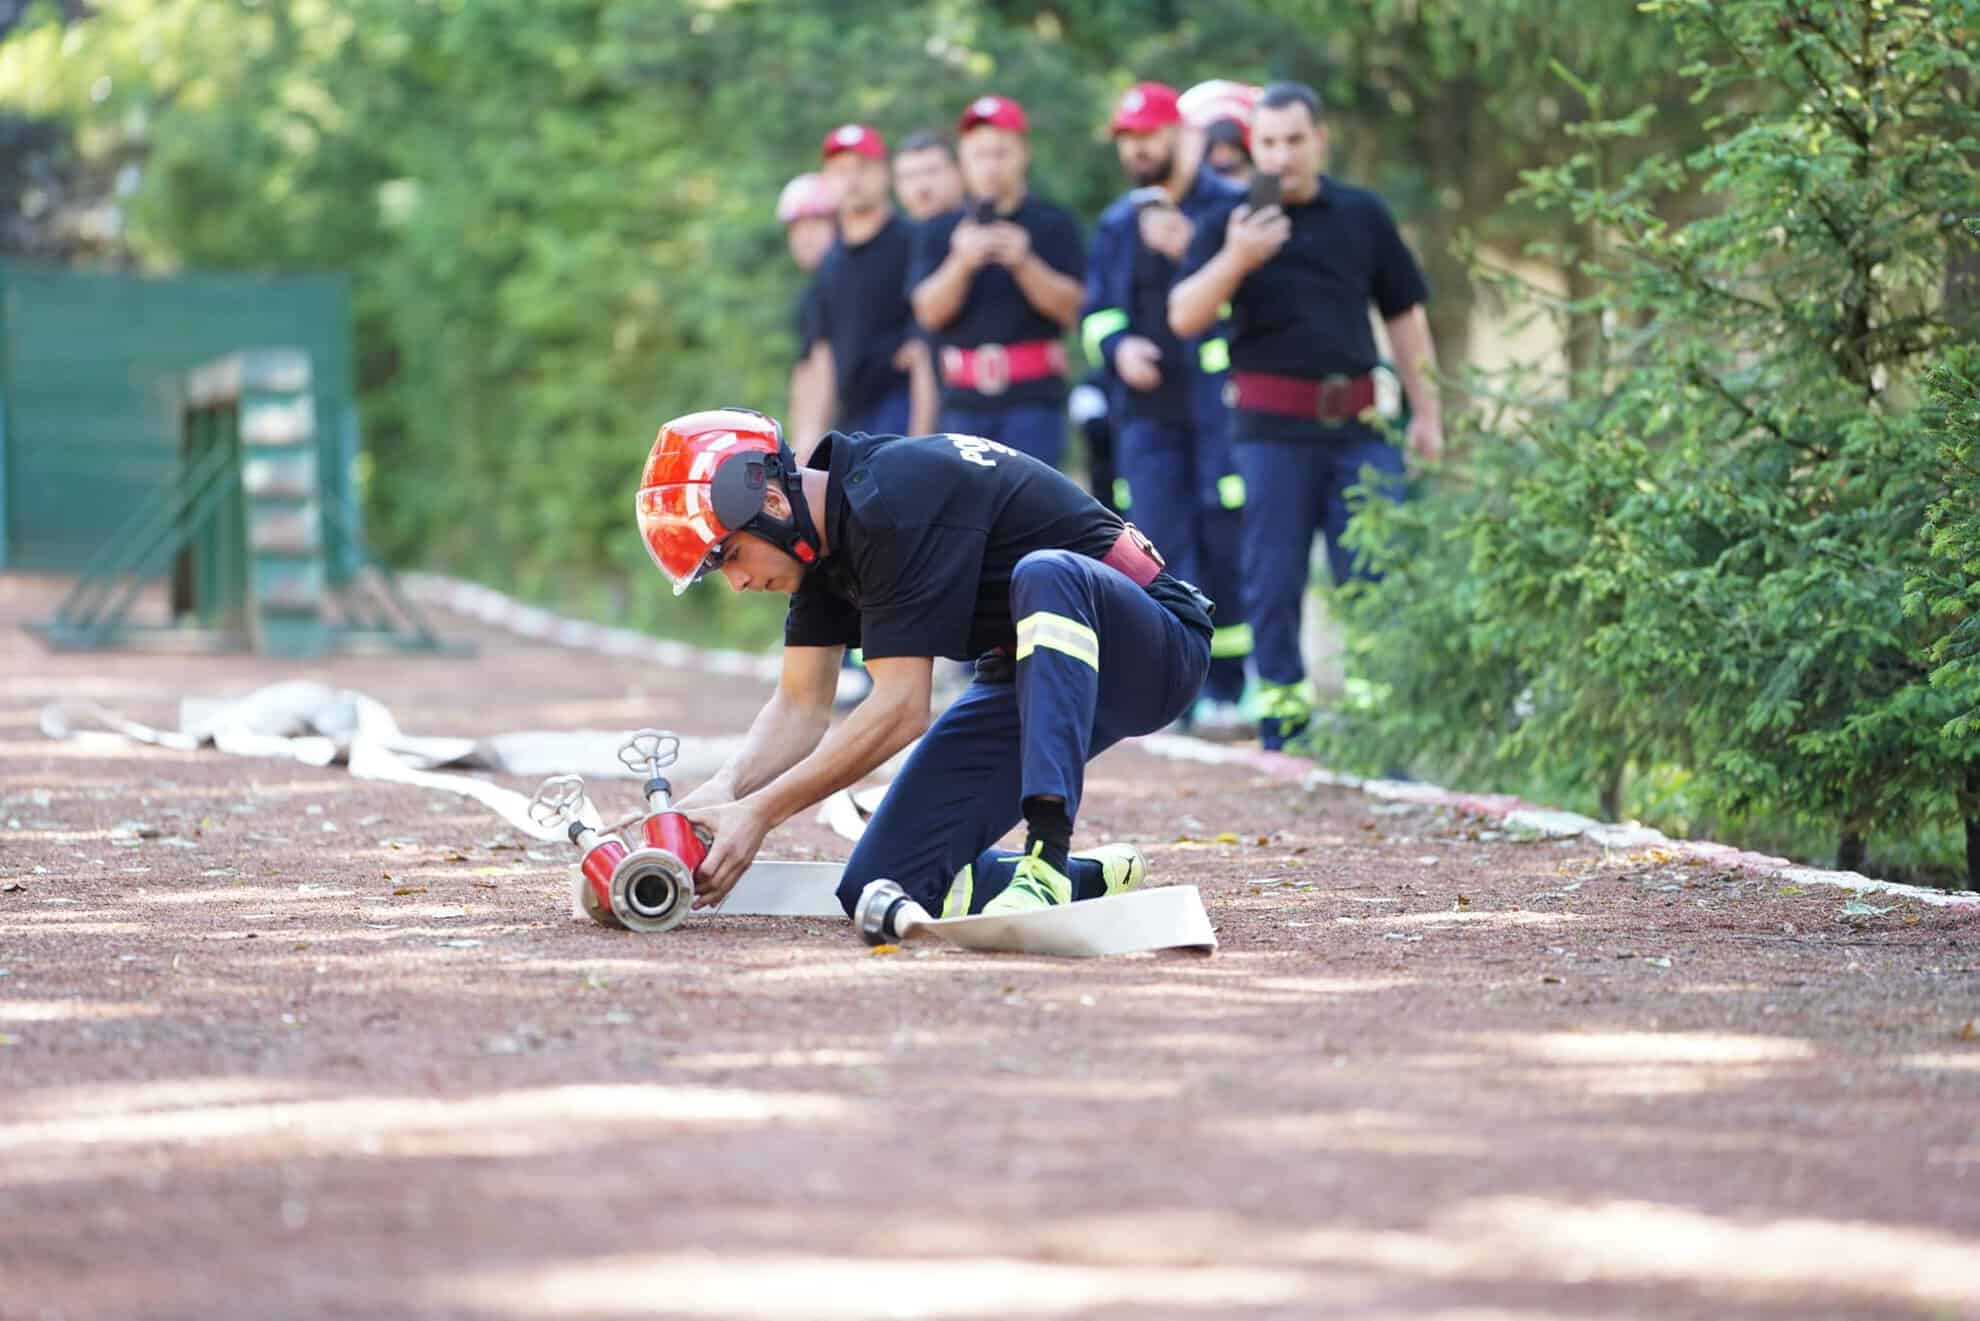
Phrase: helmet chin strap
{"type": "Point", "coordinates": [740, 488]}
{"type": "Point", "coordinates": [800, 536]}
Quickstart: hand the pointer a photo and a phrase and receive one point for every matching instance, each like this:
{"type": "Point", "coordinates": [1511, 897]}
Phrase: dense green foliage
{"type": "Point", "coordinates": [1694, 564]}
{"type": "Point", "coordinates": [1716, 568]}
{"type": "Point", "coordinates": [558, 211]}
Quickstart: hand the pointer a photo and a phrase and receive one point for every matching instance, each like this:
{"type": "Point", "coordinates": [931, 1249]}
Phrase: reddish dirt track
{"type": "Point", "coordinates": [249, 1069]}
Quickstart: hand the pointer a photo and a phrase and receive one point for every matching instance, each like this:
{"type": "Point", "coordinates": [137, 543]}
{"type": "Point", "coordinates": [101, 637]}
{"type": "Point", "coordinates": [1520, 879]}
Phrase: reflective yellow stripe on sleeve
{"type": "Point", "coordinates": [1230, 641]}
{"type": "Point", "coordinates": [1230, 491]}
{"type": "Point", "coordinates": [1097, 327]}
{"type": "Point", "coordinates": [1123, 496]}
{"type": "Point", "coordinates": [1058, 633]}
{"type": "Point", "coordinates": [1215, 355]}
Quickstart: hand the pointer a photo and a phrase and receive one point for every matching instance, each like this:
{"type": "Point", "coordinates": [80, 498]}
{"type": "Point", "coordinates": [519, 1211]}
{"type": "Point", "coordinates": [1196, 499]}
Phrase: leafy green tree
{"type": "Point", "coordinates": [1703, 563]}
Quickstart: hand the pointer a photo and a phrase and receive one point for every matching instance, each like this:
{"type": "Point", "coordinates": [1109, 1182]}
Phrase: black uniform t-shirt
{"type": "Point", "coordinates": [865, 314]}
{"type": "Point", "coordinates": [995, 311]}
{"type": "Point", "coordinates": [1305, 312]}
{"type": "Point", "coordinates": [924, 532]}
{"type": "Point", "coordinates": [807, 319]}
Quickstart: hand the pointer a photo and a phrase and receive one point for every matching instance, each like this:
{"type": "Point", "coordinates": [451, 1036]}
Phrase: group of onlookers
{"type": "Point", "coordinates": [1235, 390]}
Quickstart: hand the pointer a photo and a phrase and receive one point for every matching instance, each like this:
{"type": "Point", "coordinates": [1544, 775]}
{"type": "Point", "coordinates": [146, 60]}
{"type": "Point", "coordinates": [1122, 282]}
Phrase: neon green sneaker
{"type": "Point", "coordinates": [1035, 884]}
{"type": "Point", "coordinates": [1120, 866]}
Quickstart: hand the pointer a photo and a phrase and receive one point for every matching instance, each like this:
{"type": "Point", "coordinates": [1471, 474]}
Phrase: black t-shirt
{"type": "Point", "coordinates": [865, 314]}
{"type": "Point", "coordinates": [807, 319]}
{"type": "Point", "coordinates": [1305, 312]}
{"type": "Point", "coordinates": [924, 532]}
{"type": "Point", "coordinates": [995, 311]}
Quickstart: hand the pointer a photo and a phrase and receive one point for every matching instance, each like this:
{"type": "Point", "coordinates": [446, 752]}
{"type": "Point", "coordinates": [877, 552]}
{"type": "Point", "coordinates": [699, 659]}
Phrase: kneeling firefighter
{"type": "Point", "coordinates": [911, 548]}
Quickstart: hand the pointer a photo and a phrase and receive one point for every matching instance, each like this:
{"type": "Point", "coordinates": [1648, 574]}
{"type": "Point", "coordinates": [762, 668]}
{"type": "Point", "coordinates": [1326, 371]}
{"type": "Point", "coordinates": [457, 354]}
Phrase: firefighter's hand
{"type": "Point", "coordinates": [1255, 237]}
{"type": "Point", "coordinates": [1166, 229]}
{"type": "Point", "coordinates": [973, 243]}
{"type": "Point", "coordinates": [1425, 438]}
{"type": "Point", "coordinates": [738, 828]}
{"type": "Point", "coordinates": [1011, 243]}
{"type": "Point", "coordinates": [1135, 359]}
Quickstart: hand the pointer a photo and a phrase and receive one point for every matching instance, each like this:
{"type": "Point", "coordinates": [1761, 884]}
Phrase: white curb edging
{"type": "Point", "coordinates": [493, 608]}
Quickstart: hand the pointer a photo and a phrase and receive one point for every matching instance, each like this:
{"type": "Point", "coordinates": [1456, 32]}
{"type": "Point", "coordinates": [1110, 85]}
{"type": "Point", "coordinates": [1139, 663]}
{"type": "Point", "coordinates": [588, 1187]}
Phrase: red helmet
{"type": "Point", "coordinates": [692, 497]}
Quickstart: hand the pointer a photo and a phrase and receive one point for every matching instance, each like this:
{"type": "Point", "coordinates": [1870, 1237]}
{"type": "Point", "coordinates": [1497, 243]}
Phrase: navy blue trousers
{"type": "Point", "coordinates": [1099, 661]}
{"type": "Point", "coordinates": [886, 417]}
{"type": "Point", "coordinates": [1172, 473]}
{"type": "Point", "coordinates": [1295, 488]}
{"type": "Point", "coordinates": [1035, 429]}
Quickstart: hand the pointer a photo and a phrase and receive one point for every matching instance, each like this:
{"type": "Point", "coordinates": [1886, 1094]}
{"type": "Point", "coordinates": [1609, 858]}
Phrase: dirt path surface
{"type": "Point", "coordinates": [306, 1046]}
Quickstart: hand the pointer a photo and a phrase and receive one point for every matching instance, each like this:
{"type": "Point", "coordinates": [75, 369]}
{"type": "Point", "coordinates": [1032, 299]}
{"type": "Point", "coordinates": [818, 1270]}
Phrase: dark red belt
{"type": "Point", "coordinates": [994, 368]}
{"type": "Point", "coordinates": [1331, 399]}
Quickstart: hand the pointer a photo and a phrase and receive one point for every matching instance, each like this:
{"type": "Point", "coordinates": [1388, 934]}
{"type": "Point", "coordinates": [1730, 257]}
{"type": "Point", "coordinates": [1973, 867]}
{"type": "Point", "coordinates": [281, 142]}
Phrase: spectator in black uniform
{"type": "Point", "coordinates": [926, 179]}
{"type": "Point", "coordinates": [1225, 150]}
{"type": "Point", "coordinates": [868, 340]}
{"type": "Point", "coordinates": [1298, 280]}
{"type": "Point", "coordinates": [998, 284]}
{"type": "Point", "coordinates": [809, 214]}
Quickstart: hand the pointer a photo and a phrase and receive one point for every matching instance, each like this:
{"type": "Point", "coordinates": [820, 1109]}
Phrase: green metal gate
{"type": "Point", "coordinates": [91, 371]}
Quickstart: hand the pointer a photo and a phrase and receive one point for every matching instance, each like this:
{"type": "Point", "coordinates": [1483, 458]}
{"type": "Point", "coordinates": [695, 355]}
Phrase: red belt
{"type": "Point", "coordinates": [1332, 399]}
{"type": "Point", "coordinates": [994, 368]}
{"type": "Point", "coordinates": [1134, 555]}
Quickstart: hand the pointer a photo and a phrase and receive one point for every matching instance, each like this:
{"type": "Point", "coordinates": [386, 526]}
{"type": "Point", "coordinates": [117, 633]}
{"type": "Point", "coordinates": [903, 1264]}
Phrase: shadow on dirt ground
{"type": "Point", "coordinates": [279, 1043]}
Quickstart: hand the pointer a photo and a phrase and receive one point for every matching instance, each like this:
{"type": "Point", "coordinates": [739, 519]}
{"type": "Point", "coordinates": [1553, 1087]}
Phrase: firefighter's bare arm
{"type": "Point", "coordinates": [893, 715]}
{"type": "Point", "coordinates": [784, 731]}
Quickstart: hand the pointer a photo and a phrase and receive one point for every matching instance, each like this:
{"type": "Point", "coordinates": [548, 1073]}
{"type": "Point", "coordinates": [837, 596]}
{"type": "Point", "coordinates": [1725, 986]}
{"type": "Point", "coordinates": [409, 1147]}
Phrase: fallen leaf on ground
{"type": "Point", "coordinates": [409, 889]}
{"type": "Point", "coordinates": [1226, 837]}
{"type": "Point", "coordinates": [886, 949]}
{"type": "Point", "coordinates": [1971, 1032]}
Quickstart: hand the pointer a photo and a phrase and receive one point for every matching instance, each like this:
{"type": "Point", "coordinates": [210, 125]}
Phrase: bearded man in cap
{"type": "Point", "coordinates": [1172, 445]}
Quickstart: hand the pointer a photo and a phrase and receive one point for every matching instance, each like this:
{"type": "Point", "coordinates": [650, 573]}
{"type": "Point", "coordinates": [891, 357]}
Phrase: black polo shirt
{"type": "Point", "coordinates": [865, 315]}
{"type": "Point", "coordinates": [1305, 312]}
{"type": "Point", "coordinates": [995, 311]}
{"type": "Point", "coordinates": [924, 532]}
{"type": "Point", "coordinates": [807, 319]}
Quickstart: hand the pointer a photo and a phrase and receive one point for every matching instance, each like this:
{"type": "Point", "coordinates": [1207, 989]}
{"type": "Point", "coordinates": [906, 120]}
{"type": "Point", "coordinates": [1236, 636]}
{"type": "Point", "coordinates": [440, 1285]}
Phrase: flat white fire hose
{"type": "Point", "coordinates": [319, 726]}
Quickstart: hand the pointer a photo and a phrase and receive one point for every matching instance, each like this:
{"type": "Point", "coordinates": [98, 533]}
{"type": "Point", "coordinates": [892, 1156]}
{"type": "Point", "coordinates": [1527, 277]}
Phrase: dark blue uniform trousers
{"type": "Point", "coordinates": [1293, 489]}
{"type": "Point", "coordinates": [1100, 660]}
{"type": "Point", "coordinates": [1171, 472]}
{"type": "Point", "coordinates": [1034, 429]}
{"type": "Point", "coordinates": [886, 417]}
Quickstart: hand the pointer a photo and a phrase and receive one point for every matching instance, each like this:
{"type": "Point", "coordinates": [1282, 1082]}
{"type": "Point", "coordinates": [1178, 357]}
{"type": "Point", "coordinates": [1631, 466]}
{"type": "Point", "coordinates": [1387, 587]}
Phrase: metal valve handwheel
{"type": "Point", "coordinates": [650, 750]}
{"type": "Point", "coordinates": [558, 801]}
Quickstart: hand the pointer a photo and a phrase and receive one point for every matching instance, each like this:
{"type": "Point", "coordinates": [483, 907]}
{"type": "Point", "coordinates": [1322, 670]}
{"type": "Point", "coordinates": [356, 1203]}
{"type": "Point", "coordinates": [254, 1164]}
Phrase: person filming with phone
{"type": "Point", "coordinates": [997, 283]}
{"type": "Point", "coordinates": [1299, 261]}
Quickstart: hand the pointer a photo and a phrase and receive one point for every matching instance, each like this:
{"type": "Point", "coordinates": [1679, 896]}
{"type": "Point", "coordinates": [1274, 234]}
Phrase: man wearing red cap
{"type": "Point", "coordinates": [997, 284]}
{"type": "Point", "coordinates": [1172, 447]}
{"type": "Point", "coordinates": [867, 333]}
{"type": "Point", "coordinates": [1299, 279]}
